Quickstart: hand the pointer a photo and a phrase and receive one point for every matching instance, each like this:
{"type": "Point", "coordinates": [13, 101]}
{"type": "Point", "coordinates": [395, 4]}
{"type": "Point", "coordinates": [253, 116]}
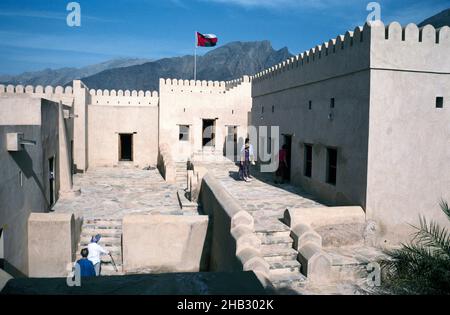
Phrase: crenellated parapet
{"type": "Point", "coordinates": [179, 86]}
{"type": "Point", "coordinates": [410, 48]}
{"type": "Point", "coordinates": [124, 98]}
{"type": "Point", "coordinates": [237, 82]}
{"type": "Point", "coordinates": [36, 90]}
{"type": "Point", "coordinates": [59, 93]}
{"type": "Point", "coordinates": [372, 46]}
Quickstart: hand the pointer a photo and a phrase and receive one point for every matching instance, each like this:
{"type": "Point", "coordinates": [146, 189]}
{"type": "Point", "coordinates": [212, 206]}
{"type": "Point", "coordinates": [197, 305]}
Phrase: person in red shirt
{"type": "Point", "coordinates": [282, 171]}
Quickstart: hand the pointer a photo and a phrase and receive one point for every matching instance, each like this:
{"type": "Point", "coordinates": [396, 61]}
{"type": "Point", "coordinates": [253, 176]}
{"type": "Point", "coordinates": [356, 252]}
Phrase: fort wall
{"type": "Point", "coordinates": [107, 122]}
{"type": "Point", "coordinates": [371, 95]}
{"type": "Point", "coordinates": [409, 143]}
{"type": "Point", "coordinates": [24, 174]}
{"type": "Point", "coordinates": [188, 103]}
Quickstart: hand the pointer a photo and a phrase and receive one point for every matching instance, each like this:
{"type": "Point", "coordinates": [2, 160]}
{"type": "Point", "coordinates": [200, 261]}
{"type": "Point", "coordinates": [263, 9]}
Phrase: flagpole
{"type": "Point", "coordinates": [195, 57]}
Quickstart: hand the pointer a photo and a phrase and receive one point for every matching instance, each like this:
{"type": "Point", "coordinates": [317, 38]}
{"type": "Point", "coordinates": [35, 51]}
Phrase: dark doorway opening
{"type": "Point", "coordinates": [125, 147]}
{"type": "Point", "coordinates": [51, 171]}
{"type": "Point", "coordinates": [331, 166]}
{"type": "Point", "coordinates": [288, 143]}
{"type": "Point", "coordinates": [209, 132]}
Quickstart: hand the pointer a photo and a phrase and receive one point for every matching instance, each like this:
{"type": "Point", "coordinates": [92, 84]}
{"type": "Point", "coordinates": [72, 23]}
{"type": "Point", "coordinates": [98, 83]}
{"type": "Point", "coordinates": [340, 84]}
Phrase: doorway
{"type": "Point", "coordinates": [288, 143]}
{"type": "Point", "coordinates": [51, 172]}
{"type": "Point", "coordinates": [209, 130]}
{"type": "Point", "coordinates": [126, 147]}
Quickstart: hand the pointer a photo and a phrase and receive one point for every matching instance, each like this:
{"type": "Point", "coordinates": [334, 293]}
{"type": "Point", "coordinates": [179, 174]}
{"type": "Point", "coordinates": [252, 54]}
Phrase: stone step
{"type": "Point", "coordinates": [270, 227]}
{"type": "Point", "coordinates": [101, 221]}
{"type": "Point", "coordinates": [262, 234]}
{"type": "Point", "coordinates": [103, 225]}
{"type": "Point", "coordinates": [270, 239]}
{"type": "Point", "coordinates": [91, 231]}
{"type": "Point", "coordinates": [275, 247]}
{"type": "Point", "coordinates": [284, 267]}
{"type": "Point", "coordinates": [105, 240]}
{"type": "Point", "coordinates": [273, 254]}
{"type": "Point", "coordinates": [287, 280]}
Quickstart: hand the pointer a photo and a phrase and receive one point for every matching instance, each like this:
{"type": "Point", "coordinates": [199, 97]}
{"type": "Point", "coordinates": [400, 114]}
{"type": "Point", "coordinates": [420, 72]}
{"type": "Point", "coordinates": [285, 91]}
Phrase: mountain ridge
{"type": "Point", "coordinates": [60, 76]}
{"type": "Point", "coordinates": [224, 63]}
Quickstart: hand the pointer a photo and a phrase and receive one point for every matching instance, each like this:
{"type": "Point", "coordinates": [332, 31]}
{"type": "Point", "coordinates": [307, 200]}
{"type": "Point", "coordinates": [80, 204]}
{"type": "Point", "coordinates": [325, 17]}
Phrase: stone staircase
{"type": "Point", "coordinates": [111, 232]}
{"type": "Point", "coordinates": [277, 249]}
{"type": "Point", "coordinates": [181, 174]}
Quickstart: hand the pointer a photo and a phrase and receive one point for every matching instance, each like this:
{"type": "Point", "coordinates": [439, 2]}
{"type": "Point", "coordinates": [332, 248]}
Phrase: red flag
{"type": "Point", "coordinates": [206, 40]}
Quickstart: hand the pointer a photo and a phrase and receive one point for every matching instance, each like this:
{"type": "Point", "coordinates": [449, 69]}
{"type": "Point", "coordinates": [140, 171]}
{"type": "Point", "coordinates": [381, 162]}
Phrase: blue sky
{"type": "Point", "coordinates": [34, 34]}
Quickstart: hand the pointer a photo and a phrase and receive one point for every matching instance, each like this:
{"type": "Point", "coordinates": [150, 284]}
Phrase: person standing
{"type": "Point", "coordinates": [283, 168]}
{"type": "Point", "coordinates": [95, 252]}
{"type": "Point", "coordinates": [247, 157]}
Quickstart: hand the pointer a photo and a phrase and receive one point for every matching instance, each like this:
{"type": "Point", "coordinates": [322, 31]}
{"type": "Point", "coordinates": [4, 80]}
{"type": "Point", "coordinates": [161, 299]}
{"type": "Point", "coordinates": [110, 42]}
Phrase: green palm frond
{"type": "Point", "coordinates": [433, 236]}
{"type": "Point", "coordinates": [444, 206]}
{"type": "Point", "coordinates": [422, 266]}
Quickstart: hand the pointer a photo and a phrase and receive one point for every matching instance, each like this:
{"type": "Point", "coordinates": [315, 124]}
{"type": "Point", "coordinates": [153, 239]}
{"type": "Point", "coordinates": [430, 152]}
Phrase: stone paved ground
{"type": "Point", "coordinates": [112, 192]}
{"type": "Point", "coordinates": [261, 197]}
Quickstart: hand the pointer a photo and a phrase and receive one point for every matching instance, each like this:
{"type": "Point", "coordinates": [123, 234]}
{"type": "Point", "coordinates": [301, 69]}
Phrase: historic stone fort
{"type": "Point", "coordinates": [365, 118]}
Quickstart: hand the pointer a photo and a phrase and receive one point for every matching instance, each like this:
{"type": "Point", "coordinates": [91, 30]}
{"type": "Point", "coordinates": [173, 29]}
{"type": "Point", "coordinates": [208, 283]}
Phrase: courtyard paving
{"type": "Point", "coordinates": [113, 192]}
{"type": "Point", "coordinates": [261, 197]}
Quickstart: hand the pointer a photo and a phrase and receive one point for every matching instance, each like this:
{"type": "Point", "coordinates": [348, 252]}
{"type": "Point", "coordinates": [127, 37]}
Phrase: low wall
{"type": "Point", "coordinates": [158, 244]}
{"type": "Point", "coordinates": [165, 164]}
{"type": "Point", "coordinates": [233, 243]}
{"type": "Point", "coordinates": [51, 244]}
{"type": "Point", "coordinates": [325, 216]}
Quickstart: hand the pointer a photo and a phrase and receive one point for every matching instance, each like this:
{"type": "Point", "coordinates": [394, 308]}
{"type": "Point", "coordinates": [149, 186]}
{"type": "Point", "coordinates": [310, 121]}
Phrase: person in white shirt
{"type": "Point", "coordinates": [95, 252]}
{"type": "Point", "coordinates": [247, 158]}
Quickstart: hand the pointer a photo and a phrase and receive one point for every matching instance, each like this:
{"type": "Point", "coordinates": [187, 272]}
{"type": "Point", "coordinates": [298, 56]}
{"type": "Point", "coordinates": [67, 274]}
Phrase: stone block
{"type": "Point", "coordinates": [51, 245]}
{"type": "Point", "coordinates": [158, 243]}
{"type": "Point", "coordinates": [315, 263]}
{"type": "Point", "coordinates": [303, 234]}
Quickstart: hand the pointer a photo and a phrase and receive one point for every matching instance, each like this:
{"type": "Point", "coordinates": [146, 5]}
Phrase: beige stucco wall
{"type": "Point", "coordinates": [338, 69]}
{"type": "Point", "coordinates": [51, 245]}
{"type": "Point", "coordinates": [159, 244]}
{"type": "Point", "coordinates": [106, 122]}
{"type": "Point", "coordinates": [393, 144]}
{"type": "Point", "coordinates": [24, 185]}
{"type": "Point", "coordinates": [189, 102]}
{"type": "Point", "coordinates": [409, 144]}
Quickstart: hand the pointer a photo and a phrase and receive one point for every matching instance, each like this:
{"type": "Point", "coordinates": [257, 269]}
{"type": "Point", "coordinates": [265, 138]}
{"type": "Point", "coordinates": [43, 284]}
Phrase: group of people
{"type": "Point", "coordinates": [247, 157]}
{"type": "Point", "coordinates": [90, 262]}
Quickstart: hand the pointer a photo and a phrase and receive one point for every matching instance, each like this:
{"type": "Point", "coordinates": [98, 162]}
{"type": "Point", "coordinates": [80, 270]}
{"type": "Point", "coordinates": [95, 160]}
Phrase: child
{"type": "Point", "coordinates": [86, 266]}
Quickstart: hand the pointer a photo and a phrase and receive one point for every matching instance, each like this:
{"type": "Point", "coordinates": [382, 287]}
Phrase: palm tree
{"type": "Point", "coordinates": [423, 265]}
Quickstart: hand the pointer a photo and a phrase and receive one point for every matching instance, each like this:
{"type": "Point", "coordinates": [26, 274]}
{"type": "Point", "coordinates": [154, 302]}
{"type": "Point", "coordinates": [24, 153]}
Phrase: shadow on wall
{"type": "Point", "coordinates": [25, 163]}
{"type": "Point", "coordinates": [234, 147]}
